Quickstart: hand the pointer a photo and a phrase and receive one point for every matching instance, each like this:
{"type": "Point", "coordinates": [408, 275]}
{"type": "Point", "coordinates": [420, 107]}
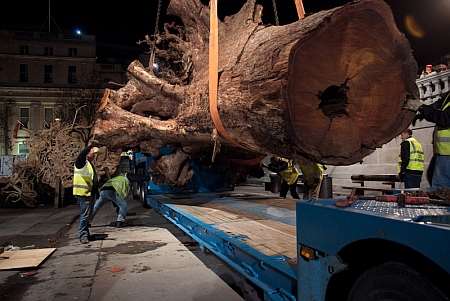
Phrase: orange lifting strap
{"type": "Point", "coordinates": [214, 67]}
{"type": "Point", "coordinates": [214, 74]}
{"type": "Point", "coordinates": [300, 8]}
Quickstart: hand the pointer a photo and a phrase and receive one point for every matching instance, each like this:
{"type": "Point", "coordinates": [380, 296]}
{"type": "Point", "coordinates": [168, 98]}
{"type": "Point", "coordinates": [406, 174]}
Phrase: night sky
{"type": "Point", "coordinates": [125, 22]}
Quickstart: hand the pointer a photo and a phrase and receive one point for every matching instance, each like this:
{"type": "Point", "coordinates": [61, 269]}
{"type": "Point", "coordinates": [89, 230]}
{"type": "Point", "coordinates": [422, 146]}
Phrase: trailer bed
{"type": "Point", "coordinates": [258, 234]}
{"type": "Point", "coordinates": [254, 233]}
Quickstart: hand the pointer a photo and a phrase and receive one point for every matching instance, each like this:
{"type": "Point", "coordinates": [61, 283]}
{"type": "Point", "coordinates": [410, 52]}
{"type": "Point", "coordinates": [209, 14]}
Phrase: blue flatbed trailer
{"type": "Point", "coordinates": [316, 251]}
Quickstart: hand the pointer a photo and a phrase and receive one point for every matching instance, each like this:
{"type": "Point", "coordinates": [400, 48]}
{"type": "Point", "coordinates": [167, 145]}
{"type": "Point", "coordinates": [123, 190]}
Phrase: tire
{"type": "Point", "coordinates": [136, 190]}
{"type": "Point", "coordinates": [141, 196]}
{"type": "Point", "coordinates": [394, 281]}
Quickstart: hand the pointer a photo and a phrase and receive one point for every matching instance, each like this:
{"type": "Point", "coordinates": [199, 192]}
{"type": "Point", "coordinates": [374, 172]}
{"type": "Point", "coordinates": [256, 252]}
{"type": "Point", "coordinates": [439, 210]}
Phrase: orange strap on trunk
{"type": "Point", "coordinates": [214, 68]}
{"type": "Point", "coordinates": [214, 74]}
{"type": "Point", "coordinates": [300, 9]}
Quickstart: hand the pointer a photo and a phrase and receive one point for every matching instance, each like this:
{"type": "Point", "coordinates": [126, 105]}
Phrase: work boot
{"type": "Point", "coordinates": [120, 224]}
{"type": "Point", "coordinates": [84, 240]}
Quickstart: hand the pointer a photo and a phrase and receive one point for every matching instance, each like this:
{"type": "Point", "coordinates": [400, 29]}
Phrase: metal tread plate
{"type": "Point", "coordinates": [392, 209]}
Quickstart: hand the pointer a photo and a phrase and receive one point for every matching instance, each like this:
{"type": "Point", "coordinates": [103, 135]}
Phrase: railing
{"type": "Point", "coordinates": [433, 85]}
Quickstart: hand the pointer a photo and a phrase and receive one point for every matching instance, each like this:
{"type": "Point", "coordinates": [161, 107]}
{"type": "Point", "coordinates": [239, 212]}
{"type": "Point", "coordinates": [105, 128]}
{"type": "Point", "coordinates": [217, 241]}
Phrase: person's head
{"type": "Point", "coordinates": [90, 156]}
{"type": "Point", "coordinates": [428, 69]}
{"type": "Point", "coordinates": [406, 134]}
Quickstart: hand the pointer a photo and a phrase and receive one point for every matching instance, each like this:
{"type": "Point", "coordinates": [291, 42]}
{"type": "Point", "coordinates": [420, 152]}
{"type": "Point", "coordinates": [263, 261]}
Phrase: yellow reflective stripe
{"type": "Point", "coordinates": [83, 175]}
{"type": "Point", "coordinates": [82, 181]}
{"type": "Point", "coordinates": [446, 102]}
{"type": "Point", "coordinates": [82, 172]}
{"type": "Point", "coordinates": [80, 186]}
{"type": "Point", "coordinates": [76, 192]}
{"type": "Point", "coordinates": [442, 139]}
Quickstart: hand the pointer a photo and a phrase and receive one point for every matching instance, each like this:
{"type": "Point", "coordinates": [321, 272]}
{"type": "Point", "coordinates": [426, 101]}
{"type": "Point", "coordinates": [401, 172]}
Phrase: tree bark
{"type": "Point", "coordinates": [329, 88]}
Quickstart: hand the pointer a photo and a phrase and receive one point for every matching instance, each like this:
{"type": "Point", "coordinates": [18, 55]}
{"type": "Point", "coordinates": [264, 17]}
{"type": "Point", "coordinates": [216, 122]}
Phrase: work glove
{"type": "Point", "coordinates": [419, 116]}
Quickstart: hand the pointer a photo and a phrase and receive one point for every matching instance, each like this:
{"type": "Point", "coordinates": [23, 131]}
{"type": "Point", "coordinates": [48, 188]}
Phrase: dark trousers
{"type": "Point", "coordinates": [292, 188]}
{"type": "Point", "coordinates": [85, 211]}
{"type": "Point", "coordinates": [412, 180]}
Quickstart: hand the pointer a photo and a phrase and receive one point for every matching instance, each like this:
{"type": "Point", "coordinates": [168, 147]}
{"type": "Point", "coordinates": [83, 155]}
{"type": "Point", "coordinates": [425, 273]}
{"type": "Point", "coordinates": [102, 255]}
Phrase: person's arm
{"type": "Point", "coordinates": [404, 155]}
{"type": "Point", "coordinates": [277, 167]}
{"type": "Point", "coordinates": [95, 185]}
{"type": "Point", "coordinates": [127, 187]}
{"type": "Point", "coordinates": [271, 167]}
{"type": "Point", "coordinates": [440, 118]}
{"type": "Point", "coordinates": [80, 162]}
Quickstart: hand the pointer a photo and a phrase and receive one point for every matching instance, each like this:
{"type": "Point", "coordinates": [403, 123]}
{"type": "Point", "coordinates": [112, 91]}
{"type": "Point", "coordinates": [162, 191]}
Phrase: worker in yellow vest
{"type": "Point", "coordinates": [439, 113]}
{"type": "Point", "coordinates": [312, 178]}
{"type": "Point", "coordinates": [85, 188]}
{"type": "Point", "coordinates": [288, 173]}
{"type": "Point", "coordinates": [115, 190]}
{"type": "Point", "coordinates": [411, 163]}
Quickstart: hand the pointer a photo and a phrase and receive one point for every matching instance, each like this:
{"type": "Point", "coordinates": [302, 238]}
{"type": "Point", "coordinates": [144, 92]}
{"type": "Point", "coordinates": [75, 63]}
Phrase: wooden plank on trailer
{"type": "Point", "coordinates": [24, 258]}
{"type": "Point", "coordinates": [267, 240]}
{"type": "Point", "coordinates": [277, 202]}
{"type": "Point", "coordinates": [267, 236]}
{"type": "Point", "coordinates": [211, 215]}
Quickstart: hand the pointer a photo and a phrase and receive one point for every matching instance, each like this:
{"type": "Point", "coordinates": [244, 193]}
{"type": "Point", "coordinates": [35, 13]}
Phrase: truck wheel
{"type": "Point", "coordinates": [141, 196]}
{"type": "Point", "coordinates": [394, 281]}
{"type": "Point", "coordinates": [136, 189]}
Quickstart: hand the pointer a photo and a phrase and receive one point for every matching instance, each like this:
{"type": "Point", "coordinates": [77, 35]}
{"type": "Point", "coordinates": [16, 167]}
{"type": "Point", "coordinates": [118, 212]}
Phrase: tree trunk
{"type": "Point", "coordinates": [330, 88]}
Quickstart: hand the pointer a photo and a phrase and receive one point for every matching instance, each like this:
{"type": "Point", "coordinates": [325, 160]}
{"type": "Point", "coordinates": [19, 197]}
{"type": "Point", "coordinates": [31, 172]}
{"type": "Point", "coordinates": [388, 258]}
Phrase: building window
{"type": "Point", "coordinates": [72, 76]}
{"type": "Point", "coordinates": [73, 52]}
{"type": "Point", "coordinates": [22, 148]}
{"type": "Point", "coordinates": [48, 74]}
{"type": "Point", "coordinates": [24, 49]}
{"type": "Point", "coordinates": [48, 117]}
{"type": "Point", "coordinates": [24, 117]}
{"type": "Point", "coordinates": [23, 73]}
{"type": "Point", "coordinates": [48, 51]}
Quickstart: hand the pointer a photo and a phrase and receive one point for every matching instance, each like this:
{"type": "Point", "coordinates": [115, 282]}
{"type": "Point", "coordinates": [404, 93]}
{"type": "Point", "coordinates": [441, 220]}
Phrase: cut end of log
{"type": "Point", "coordinates": [342, 115]}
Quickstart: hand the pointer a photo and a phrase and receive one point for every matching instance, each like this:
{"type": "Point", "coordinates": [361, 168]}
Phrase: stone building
{"type": "Point", "coordinates": [44, 76]}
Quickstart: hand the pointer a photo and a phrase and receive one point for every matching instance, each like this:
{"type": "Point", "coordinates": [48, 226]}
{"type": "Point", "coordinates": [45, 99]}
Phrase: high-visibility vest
{"type": "Point", "coordinates": [290, 174]}
{"type": "Point", "coordinates": [312, 172]}
{"type": "Point", "coordinates": [442, 136]}
{"type": "Point", "coordinates": [416, 156]}
{"type": "Point", "coordinates": [83, 179]}
{"type": "Point", "coordinates": [120, 184]}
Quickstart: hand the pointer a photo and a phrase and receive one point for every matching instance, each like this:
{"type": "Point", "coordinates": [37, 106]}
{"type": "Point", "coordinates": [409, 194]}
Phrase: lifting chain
{"type": "Point", "coordinates": [155, 32]}
{"type": "Point", "coordinates": [275, 12]}
{"type": "Point", "coordinates": [158, 14]}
